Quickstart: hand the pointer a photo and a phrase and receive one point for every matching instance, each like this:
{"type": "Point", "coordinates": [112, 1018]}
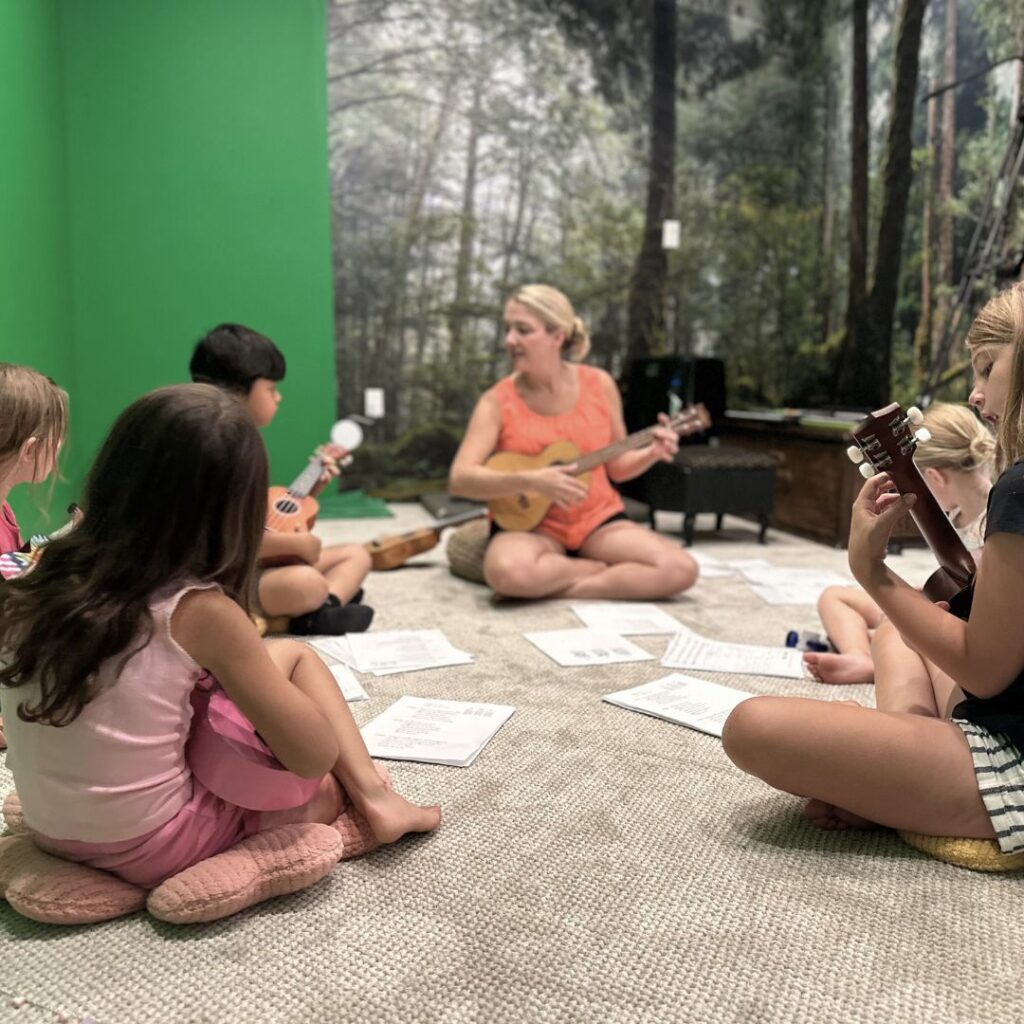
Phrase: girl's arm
{"type": "Point", "coordinates": [986, 653]}
{"type": "Point", "coordinates": [633, 464]}
{"type": "Point", "coordinates": [221, 637]}
{"type": "Point", "coordinates": [470, 478]}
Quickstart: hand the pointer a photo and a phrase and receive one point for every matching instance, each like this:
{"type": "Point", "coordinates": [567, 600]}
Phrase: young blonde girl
{"type": "Point", "coordinates": [33, 423]}
{"type": "Point", "coordinates": [956, 463]}
{"type": "Point", "coordinates": [104, 643]}
{"type": "Point", "coordinates": [906, 765]}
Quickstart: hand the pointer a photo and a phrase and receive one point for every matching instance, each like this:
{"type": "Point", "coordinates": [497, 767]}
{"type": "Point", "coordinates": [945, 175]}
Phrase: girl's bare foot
{"type": "Point", "coordinates": [840, 668]}
{"type": "Point", "coordinates": [391, 816]}
{"type": "Point", "coordinates": [828, 816]}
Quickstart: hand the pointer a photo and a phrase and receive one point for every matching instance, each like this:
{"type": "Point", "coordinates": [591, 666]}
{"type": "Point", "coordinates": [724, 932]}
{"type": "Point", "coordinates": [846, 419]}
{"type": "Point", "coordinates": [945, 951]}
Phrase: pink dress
{"type": "Point", "coordinates": [114, 788]}
{"type": "Point", "coordinates": [10, 535]}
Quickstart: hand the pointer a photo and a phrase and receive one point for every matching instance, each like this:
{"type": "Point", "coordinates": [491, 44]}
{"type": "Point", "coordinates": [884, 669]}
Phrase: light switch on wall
{"type": "Point", "coordinates": [373, 402]}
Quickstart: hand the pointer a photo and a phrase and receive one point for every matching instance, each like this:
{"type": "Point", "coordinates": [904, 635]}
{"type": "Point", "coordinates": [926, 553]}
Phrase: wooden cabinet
{"type": "Point", "coordinates": [816, 482]}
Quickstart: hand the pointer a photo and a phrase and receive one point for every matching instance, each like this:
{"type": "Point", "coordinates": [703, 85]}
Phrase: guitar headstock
{"type": "Point", "coordinates": [886, 440]}
{"type": "Point", "coordinates": [691, 420]}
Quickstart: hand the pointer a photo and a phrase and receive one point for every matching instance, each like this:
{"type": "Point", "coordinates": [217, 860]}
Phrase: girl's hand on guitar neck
{"type": "Point", "coordinates": [558, 484]}
{"type": "Point", "coordinates": [876, 511]}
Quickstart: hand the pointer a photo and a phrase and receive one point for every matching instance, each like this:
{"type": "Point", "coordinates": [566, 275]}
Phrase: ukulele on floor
{"type": "Point", "coordinates": [525, 510]}
{"type": "Point", "coordinates": [394, 551]}
{"type": "Point", "coordinates": [885, 443]}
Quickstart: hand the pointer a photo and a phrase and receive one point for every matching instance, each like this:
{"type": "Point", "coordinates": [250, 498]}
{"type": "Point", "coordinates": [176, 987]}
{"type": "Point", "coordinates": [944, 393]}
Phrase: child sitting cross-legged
{"type": "Point", "coordinates": [321, 591]}
{"type": "Point", "coordinates": [123, 622]}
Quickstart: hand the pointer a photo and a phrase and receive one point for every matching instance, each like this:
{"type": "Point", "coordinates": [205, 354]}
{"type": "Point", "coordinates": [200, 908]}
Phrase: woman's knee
{"type": "Point", "coordinates": [677, 571]}
{"type": "Point", "coordinates": [506, 574]}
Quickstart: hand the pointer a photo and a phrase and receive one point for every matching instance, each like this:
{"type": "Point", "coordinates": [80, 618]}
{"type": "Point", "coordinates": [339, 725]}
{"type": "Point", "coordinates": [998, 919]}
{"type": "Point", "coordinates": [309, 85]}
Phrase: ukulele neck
{"type": "Point", "coordinates": [304, 483]}
{"type": "Point", "coordinates": [640, 439]}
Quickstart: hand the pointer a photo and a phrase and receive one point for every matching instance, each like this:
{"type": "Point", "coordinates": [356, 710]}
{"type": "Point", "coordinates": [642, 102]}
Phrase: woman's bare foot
{"type": "Point", "coordinates": [840, 668]}
{"type": "Point", "coordinates": [828, 816]}
{"type": "Point", "coordinates": [391, 816]}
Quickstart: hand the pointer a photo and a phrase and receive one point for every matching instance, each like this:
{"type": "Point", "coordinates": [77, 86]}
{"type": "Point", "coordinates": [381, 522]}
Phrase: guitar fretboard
{"type": "Point", "coordinates": [683, 423]}
{"type": "Point", "coordinates": [307, 479]}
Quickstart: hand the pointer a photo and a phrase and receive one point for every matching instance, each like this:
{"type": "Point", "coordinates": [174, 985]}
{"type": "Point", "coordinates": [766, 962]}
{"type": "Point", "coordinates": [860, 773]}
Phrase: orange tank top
{"type": "Point", "coordinates": [588, 425]}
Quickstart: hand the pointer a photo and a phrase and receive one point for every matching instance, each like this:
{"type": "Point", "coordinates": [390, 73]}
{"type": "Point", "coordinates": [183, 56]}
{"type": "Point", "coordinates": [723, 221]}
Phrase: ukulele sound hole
{"type": "Point", "coordinates": [286, 506]}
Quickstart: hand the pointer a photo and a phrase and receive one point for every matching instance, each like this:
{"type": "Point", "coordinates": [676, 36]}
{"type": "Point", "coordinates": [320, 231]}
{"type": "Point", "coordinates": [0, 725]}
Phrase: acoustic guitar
{"type": "Point", "coordinates": [525, 510]}
{"type": "Point", "coordinates": [886, 440]}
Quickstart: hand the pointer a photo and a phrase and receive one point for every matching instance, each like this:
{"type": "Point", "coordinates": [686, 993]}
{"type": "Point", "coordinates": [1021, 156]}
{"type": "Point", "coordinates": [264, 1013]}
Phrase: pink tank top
{"type": "Point", "coordinates": [118, 771]}
{"type": "Point", "coordinates": [10, 535]}
{"type": "Point", "coordinates": [588, 426]}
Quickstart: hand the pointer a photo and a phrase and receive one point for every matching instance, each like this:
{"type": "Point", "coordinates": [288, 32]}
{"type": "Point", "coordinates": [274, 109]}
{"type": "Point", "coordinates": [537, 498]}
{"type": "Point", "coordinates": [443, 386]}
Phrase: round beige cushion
{"type": "Point", "coordinates": [466, 547]}
{"type": "Point", "coordinates": [974, 854]}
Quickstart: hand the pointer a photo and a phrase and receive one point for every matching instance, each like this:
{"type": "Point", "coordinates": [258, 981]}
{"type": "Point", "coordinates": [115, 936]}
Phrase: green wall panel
{"type": "Point", "coordinates": [198, 189]}
{"type": "Point", "coordinates": [35, 315]}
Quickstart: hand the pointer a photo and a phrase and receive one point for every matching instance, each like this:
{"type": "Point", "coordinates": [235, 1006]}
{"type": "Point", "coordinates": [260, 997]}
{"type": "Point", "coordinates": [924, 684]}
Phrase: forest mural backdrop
{"type": "Point", "coordinates": [826, 205]}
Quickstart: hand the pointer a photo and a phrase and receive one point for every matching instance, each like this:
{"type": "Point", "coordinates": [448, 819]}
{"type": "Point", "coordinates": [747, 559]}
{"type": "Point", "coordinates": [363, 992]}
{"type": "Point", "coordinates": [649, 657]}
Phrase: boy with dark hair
{"type": "Point", "coordinates": [321, 592]}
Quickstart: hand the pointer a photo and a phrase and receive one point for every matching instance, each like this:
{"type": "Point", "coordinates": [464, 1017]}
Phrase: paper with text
{"type": "Point", "coordinates": [351, 688]}
{"type": "Point", "coordinates": [404, 650]}
{"type": "Point", "coordinates": [571, 647]}
{"type": "Point", "coordinates": [450, 732]}
{"type": "Point", "coordinates": [688, 650]}
{"type": "Point", "coordinates": [695, 703]}
{"type": "Point", "coordinates": [626, 618]}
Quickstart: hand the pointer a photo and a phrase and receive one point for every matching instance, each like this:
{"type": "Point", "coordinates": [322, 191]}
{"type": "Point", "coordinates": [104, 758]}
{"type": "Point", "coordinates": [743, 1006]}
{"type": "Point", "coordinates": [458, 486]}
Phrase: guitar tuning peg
{"type": "Point", "coordinates": [914, 415]}
{"type": "Point", "coordinates": [866, 470]}
{"type": "Point", "coordinates": [923, 434]}
{"type": "Point", "coordinates": [854, 454]}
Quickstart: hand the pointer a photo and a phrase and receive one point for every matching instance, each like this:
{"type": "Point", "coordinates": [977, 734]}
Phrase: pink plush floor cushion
{"type": "Point", "coordinates": [271, 863]}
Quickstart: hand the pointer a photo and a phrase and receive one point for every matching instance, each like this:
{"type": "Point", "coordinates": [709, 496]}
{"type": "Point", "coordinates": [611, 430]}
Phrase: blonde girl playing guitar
{"type": "Point", "coordinates": [584, 547]}
{"type": "Point", "coordinates": [913, 763]}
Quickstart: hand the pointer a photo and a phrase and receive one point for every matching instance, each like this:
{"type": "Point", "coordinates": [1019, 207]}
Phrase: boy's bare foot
{"type": "Point", "coordinates": [391, 816]}
{"type": "Point", "coordinates": [840, 668]}
{"type": "Point", "coordinates": [828, 816]}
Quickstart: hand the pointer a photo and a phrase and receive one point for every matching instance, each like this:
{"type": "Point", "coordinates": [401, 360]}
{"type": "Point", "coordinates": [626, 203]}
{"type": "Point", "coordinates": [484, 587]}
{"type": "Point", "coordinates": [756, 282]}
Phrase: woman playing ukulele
{"type": "Point", "coordinates": [584, 547]}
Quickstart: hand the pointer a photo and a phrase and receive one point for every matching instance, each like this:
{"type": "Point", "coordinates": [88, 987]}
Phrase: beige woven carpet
{"type": "Point", "coordinates": [594, 865]}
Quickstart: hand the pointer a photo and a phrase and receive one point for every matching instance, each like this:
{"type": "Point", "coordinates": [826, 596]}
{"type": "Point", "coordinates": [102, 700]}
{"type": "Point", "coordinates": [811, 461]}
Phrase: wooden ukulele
{"type": "Point", "coordinates": [885, 443]}
{"type": "Point", "coordinates": [525, 510]}
{"type": "Point", "coordinates": [394, 551]}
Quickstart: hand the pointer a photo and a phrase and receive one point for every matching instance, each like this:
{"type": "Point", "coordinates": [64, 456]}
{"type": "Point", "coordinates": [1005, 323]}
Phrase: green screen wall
{"type": "Point", "coordinates": [183, 151]}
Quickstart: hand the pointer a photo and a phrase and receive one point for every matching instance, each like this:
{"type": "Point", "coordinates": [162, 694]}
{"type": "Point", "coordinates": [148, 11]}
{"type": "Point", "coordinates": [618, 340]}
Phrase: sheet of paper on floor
{"type": "Point", "coordinates": [696, 703]}
{"type": "Point", "coordinates": [776, 584]}
{"type": "Point", "coordinates": [710, 567]}
{"type": "Point", "coordinates": [449, 732]}
{"type": "Point", "coordinates": [351, 688]}
{"type": "Point", "coordinates": [626, 618]}
{"type": "Point", "coordinates": [688, 650]}
{"type": "Point", "coordinates": [571, 647]}
{"type": "Point", "coordinates": [336, 647]}
{"type": "Point", "coordinates": [404, 650]}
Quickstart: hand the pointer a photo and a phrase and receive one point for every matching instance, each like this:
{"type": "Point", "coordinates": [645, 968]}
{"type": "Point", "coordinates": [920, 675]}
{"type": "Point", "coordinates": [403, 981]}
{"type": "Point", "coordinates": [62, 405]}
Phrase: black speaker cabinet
{"type": "Point", "coordinates": [649, 382]}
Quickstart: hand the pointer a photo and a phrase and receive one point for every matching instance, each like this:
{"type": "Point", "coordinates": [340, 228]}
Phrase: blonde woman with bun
{"type": "Point", "coordinates": [957, 464]}
{"type": "Point", "coordinates": [585, 547]}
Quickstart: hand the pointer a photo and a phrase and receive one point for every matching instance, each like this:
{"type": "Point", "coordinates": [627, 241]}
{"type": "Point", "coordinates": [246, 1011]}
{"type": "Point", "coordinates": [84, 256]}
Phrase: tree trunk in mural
{"type": "Point", "coordinates": [467, 232]}
{"type": "Point", "coordinates": [923, 341]}
{"type": "Point", "coordinates": [646, 325]}
{"type": "Point", "coordinates": [856, 295]}
{"type": "Point", "coordinates": [947, 168]}
{"type": "Point", "coordinates": [875, 356]}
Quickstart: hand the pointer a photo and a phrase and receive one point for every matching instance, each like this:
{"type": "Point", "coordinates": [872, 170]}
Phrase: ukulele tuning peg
{"type": "Point", "coordinates": [923, 434]}
{"type": "Point", "coordinates": [866, 470]}
{"type": "Point", "coordinates": [855, 454]}
{"type": "Point", "coordinates": [914, 415]}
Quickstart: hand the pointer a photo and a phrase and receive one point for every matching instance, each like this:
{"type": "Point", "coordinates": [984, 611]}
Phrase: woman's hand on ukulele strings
{"type": "Point", "coordinates": [666, 441]}
{"type": "Point", "coordinates": [876, 511]}
{"type": "Point", "coordinates": [558, 484]}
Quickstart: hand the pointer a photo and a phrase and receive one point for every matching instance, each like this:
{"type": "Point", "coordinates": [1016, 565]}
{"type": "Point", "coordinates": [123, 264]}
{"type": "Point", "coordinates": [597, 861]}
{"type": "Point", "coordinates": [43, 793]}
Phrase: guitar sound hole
{"type": "Point", "coordinates": [524, 501]}
{"type": "Point", "coordinates": [286, 506]}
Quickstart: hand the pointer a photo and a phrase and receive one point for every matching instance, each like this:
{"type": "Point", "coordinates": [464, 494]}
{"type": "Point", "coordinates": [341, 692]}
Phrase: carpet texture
{"type": "Point", "coordinates": [594, 865]}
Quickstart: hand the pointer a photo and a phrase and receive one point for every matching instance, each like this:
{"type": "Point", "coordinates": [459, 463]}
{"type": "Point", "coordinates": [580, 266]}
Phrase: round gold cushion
{"type": "Point", "coordinates": [466, 548]}
{"type": "Point", "coordinates": [975, 854]}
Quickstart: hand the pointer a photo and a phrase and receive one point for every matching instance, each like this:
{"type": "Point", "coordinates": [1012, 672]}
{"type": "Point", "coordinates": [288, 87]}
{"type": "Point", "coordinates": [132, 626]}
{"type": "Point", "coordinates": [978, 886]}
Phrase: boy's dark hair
{"type": "Point", "coordinates": [178, 492]}
{"type": "Point", "coordinates": [232, 357]}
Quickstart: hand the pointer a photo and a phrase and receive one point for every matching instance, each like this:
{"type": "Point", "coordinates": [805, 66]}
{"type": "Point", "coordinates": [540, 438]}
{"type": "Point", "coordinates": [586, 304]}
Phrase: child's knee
{"type": "Point", "coordinates": [748, 730]}
{"type": "Point", "coordinates": [829, 598]}
{"type": "Point", "coordinates": [310, 588]}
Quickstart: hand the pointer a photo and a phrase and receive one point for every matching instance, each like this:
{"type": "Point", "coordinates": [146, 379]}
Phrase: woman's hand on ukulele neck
{"type": "Point", "coordinates": [876, 511]}
{"type": "Point", "coordinates": [666, 440]}
{"type": "Point", "coordinates": [558, 484]}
